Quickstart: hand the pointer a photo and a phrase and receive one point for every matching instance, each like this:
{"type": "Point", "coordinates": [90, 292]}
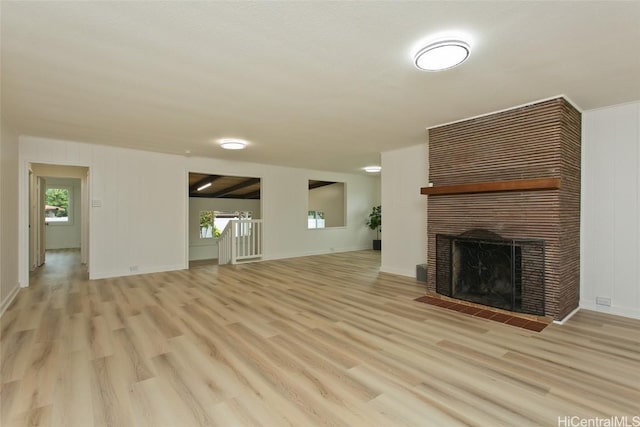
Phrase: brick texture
{"type": "Point", "coordinates": [536, 141]}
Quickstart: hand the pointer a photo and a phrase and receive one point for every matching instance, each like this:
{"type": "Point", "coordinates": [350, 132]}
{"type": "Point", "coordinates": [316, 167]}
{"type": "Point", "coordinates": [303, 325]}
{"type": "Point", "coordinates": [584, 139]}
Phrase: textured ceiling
{"type": "Point", "coordinates": [322, 85]}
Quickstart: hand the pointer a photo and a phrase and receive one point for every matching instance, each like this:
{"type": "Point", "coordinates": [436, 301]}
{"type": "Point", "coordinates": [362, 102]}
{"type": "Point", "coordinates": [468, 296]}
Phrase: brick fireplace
{"type": "Point", "coordinates": [482, 267]}
{"type": "Point", "coordinates": [516, 174]}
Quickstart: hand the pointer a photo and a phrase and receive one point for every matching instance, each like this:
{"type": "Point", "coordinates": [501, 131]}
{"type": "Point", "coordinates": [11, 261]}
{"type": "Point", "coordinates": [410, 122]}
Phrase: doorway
{"type": "Point", "coordinates": [213, 200]}
{"type": "Point", "coordinates": [58, 213]}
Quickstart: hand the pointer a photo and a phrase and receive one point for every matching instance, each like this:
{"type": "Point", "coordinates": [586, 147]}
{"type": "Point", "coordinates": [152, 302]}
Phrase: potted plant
{"type": "Point", "coordinates": [375, 223]}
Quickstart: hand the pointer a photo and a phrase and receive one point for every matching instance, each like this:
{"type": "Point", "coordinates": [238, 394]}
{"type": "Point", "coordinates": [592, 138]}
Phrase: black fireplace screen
{"type": "Point", "coordinates": [489, 270]}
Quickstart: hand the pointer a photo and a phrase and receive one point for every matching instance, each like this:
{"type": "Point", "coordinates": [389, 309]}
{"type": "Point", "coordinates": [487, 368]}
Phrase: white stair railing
{"type": "Point", "coordinates": [240, 240]}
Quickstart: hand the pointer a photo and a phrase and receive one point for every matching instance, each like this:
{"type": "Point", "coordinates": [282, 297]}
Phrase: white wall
{"type": "Point", "coordinates": [610, 218]}
{"type": "Point", "coordinates": [138, 218]}
{"type": "Point", "coordinates": [8, 217]}
{"type": "Point", "coordinates": [404, 217]}
{"type": "Point", "coordinates": [208, 248]}
{"type": "Point", "coordinates": [138, 213]}
{"type": "Point", "coordinates": [65, 235]}
{"type": "Point", "coordinates": [330, 200]}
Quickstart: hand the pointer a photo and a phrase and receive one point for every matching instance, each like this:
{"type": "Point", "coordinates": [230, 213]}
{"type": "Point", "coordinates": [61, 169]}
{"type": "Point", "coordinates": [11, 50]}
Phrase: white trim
{"type": "Point", "coordinates": [312, 253]}
{"type": "Point", "coordinates": [615, 310]}
{"type": "Point", "coordinates": [8, 300]}
{"type": "Point", "coordinates": [399, 272]}
{"type": "Point", "coordinates": [566, 98]}
{"type": "Point", "coordinates": [567, 317]}
{"type": "Point", "coordinates": [123, 273]}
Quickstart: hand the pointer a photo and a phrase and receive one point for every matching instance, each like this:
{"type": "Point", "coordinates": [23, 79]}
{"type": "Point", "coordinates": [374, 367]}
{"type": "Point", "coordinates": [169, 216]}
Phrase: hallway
{"type": "Point", "coordinates": [62, 266]}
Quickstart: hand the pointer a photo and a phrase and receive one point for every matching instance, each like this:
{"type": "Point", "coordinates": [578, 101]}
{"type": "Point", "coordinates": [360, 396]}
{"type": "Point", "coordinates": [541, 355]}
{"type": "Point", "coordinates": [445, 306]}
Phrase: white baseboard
{"type": "Point", "coordinates": [311, 253]}
{"type": "Point", "coordinates": [567, 317]}
{"type": "Point", "coordinates": [122, 273]}
{"type": "Point", "coordinates": [9, 299]}
{"type": "Point", "coordinates": [399, 271]}
{"type": "Point", "coordinates": [617, 310]}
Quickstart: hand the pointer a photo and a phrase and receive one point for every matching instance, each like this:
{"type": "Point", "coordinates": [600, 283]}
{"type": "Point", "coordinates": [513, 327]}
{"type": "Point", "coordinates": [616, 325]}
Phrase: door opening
{"type": "Point", "coordinates": [58, 212]}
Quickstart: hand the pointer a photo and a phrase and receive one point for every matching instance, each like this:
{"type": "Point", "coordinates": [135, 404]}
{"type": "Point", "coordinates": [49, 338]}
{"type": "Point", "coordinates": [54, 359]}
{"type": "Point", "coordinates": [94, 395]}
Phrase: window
{"type": "Point", "coordinates": [57, 205]}
{"type": "Point", "coordinates": [212, 223]}
{"type": "Point", "coordinates": [207, 227]}
{"type": "Point", "coordinates": [315, 219]}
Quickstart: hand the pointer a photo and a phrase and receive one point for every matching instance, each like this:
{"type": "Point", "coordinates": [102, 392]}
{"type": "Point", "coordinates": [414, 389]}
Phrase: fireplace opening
{"type": "Point", "coordinates": [481, 267]}
{"type": "Point", "coordinates": [487, 272]}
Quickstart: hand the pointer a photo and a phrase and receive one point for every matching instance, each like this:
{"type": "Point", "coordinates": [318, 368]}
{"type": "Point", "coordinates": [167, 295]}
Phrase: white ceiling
{"type": "Point", "coordinates": [321, 85]}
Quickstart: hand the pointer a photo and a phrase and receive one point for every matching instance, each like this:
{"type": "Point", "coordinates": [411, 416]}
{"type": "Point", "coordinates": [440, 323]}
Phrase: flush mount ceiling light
{"type": "Point", "coordinates": [372, 169]}
{"type": "Point", "coordinates": [233, 144]}
{"type": "Point", "coordinates": [441, 55]}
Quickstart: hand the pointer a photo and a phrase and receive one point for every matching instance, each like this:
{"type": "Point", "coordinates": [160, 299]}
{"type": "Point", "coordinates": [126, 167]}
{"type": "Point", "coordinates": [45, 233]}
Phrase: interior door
{"type": "Point", "coordinates": [41, 188]}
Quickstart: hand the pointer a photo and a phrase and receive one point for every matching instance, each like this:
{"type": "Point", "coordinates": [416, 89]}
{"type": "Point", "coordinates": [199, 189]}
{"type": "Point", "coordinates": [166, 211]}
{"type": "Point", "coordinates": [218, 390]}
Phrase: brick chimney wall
{"type": "Point", "coordinates": [541, 140]}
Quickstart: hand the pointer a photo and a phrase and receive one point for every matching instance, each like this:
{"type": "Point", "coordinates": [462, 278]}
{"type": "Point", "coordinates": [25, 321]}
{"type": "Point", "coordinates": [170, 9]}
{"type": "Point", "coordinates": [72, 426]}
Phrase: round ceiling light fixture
{"type": "Point", "coordinates": [372, 169]}
{"type": "Point", "coordinates": [441, 55]}
{"type": "Point", "coordinates": [233, 144]}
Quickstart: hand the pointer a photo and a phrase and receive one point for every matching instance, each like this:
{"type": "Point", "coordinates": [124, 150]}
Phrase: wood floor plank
{"type": "Point", "coordinates": [310, 341]}
{"type": "Point", "coordinates": [99, 337]}
{"type": "Point", "coordinates": [147, 336]}
{"type": "Point", "coordinates": [15, 353]}
{"type": "Point", "coordinates": [8, 395]}
{"type": "Point", "coordinates": [130, 356]}
{"type": "Point", "coordinates": [110, 394]}
{"type": "Point", "coordinates": [154, 403]}
{"type": "Point", "coordinates": [74, 335]}
{"type": "Point", "coordinates": [72, 405]}
{"type": "Point", "coordinates": [40, 417]}
{"type": "Point", "coordinates": [190, 390]}
{"type": "Point", "coordinates": [37, 385]}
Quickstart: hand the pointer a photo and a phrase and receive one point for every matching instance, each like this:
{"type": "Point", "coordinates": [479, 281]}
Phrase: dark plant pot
{"type": "Point", "coordinates": [377, 245]}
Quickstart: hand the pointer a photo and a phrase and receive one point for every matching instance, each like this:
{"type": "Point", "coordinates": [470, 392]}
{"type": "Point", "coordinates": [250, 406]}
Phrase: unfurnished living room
{"type": "Point", "coordinates": [191, 201]}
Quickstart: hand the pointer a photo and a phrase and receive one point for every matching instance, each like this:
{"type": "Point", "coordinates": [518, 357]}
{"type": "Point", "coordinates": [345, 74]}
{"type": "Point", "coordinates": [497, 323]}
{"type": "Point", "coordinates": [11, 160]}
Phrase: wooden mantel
{"type": "Point", "coordinates": [494, 187]}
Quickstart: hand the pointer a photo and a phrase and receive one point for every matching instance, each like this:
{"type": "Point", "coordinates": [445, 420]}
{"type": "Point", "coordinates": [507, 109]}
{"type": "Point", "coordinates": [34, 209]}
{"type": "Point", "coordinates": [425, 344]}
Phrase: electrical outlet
{"type": "Point", "coordinates": [133, 268]}
{"type": "Point", "coordinates": [603, 301]}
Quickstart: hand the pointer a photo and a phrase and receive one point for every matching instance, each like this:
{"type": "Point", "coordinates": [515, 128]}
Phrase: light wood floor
{"type": "Point", "coordinates": [323, 340]}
